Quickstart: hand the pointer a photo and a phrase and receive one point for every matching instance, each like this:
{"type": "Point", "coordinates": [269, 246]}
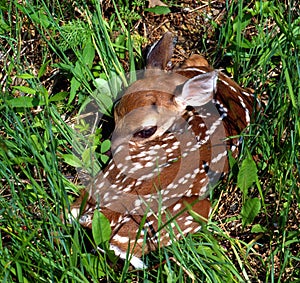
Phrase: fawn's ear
{"type": "Point", "coordinates": [161, 52]}
{"type": "Point", "coordinates": [198, 90]}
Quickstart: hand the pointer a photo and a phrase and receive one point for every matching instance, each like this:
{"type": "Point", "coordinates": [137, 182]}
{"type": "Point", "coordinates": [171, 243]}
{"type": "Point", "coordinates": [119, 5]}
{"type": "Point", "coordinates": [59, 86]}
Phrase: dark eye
{"type": "Point", "coordinates": [145, 133]}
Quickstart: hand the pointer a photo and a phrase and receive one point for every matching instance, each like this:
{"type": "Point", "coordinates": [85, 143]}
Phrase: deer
{"type": "Point", "coordinates": [173, 131]}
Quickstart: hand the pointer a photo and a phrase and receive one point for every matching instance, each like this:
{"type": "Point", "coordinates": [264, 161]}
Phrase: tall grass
{"type": "Point", "coordinates": [78, 47]}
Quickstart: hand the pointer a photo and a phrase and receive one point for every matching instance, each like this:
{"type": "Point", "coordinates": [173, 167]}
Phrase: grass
{"type": "Point", "coordinates": [53, 58]}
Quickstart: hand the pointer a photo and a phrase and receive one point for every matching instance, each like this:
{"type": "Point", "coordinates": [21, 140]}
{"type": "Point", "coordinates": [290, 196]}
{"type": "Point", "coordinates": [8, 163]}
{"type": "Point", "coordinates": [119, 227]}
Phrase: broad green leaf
{"type": "Point", "coordinates": [105, 146]}
{"type": "Point", "coordinates": [75, 85]}
{"type": "Point", "coordinates": [103, 95]}
{"type": "Point", "coordinates": [242, 25]}
{"type": "Point", "coordinates": [257, 228]}
{"type": "Point", "coordinates": [250, 210]}
{"type": "Point", "coordinates": [263, 7]}
{"type": "Point", "coordinates": [25, 89]}
{"type": "Point", "coordinates": [78, 71]}
{"type": "Point", "coordinates": [40, 17]}
{"type": "Point", "coordinates": [63, 66]}
{"type": "Point", "coordinates": [88, 156]}
{"type": "Point", "coordinates": [159, 10]}
{"type": "Point", "coordinates": [100, 228]}
{"type": "Point", "coordinates": [88, 55]}
{"type": "Point", "coordinates": [245, 44]}
{"type": "Point", "coordinates": [115, 84]}
{"type": "Point", "coordinates": [247, 175]}
{"type": "Point", "coordinates": [106, 90]}
{"type": "Point", "coordinates": [104, 158]}
{"type": "Point", "coordinates": [59, 96]}
{"type": "Point", "coordinates": [24, 101]}
{"type": "Point", "coordinates": [72, 160]}
{"type": "Point", "coordinates": [102, 87]}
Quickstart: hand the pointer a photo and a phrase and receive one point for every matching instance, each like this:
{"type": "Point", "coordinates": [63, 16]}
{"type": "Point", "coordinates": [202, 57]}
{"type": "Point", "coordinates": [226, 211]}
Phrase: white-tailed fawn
{"type": "Point", "coordinates": [170, 143]}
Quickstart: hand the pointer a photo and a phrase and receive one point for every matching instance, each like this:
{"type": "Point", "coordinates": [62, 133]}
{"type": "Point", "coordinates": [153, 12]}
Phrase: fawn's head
{"type": "Point", "coordinates": [151, 106]}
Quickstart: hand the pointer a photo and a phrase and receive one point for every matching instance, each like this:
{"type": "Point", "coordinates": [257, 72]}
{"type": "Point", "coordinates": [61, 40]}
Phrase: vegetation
{"type": "Point", "coordinates": [58, 56]}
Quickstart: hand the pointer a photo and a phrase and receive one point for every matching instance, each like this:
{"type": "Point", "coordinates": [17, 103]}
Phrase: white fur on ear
{"type": "Point", "coordinates": [198, 90]}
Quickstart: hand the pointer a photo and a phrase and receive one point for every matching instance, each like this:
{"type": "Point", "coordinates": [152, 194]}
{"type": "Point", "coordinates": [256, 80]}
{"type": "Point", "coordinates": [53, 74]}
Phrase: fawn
{"type": "Point", "coordinates": [169, 147]}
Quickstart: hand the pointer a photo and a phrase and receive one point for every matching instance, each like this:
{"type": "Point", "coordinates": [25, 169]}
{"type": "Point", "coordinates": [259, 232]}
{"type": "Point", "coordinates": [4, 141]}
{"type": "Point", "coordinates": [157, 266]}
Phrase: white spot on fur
{"type": "Point", "coordinates": [224, 82]}
{"type": "Point", "coordinates": [187, 230]}
{"type": "Point", "coordinates": [219, 157]}
{"type": "Point", "coordinates": [233, 88]}
{"type": "Point", "coordinates": [137, 203]}
{"type": "Point", "coordinates": [135, 261]}
{"type": "Point", "coordinates": [246, 93]}
{"type": "Point", "coordinates": [203, 190]}
{"type": "Point", "coordinates": [214, 127]}
{"type": "Point", "coordinates": [120, 239]}
{"type": "Point", "coordinates": [177, 206]}
{"type": "Point", "coordinates": [247, 115]}
{"type": "Point", "coordinates": [197, 229]}
{"type": "Point", "coordinates": [188, 223]}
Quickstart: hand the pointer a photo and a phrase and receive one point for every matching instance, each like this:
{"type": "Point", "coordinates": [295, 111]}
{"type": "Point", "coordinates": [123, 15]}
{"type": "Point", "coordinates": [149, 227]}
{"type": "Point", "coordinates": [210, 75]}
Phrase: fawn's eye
{"type": "Point", "coordinates": [145, 133]}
